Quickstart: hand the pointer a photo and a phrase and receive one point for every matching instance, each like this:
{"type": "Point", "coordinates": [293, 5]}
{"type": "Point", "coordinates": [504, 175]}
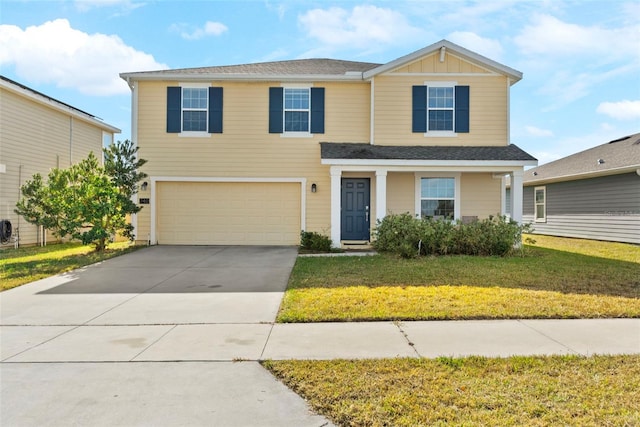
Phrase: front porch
{"type": "Point", "coordinates": [460, 183]}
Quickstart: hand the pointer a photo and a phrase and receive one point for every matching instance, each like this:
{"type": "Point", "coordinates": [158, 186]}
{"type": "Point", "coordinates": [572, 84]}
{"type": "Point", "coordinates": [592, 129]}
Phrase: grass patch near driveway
{"type": "Point", "coordinates": [473, 391]}
{"type": "Point", "coordinates": [29, 264]}
{"type": "Point", "coordinates": [568, 279]}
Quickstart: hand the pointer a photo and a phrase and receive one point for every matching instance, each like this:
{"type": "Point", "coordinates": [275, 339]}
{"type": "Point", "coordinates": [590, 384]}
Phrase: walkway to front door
{"type": "Point", "coordinates": [356, 209]}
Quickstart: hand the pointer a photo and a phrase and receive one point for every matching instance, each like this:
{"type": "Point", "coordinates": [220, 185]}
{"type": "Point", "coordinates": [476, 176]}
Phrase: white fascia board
{"type": "Point", "coordinates": [575, 177]}
{"type": "Point", "coordinates": [242, 77]}
{"type": "Point", "coordinates": [450, 47]}
{"type": "Point", "coordinates": [419, 163]}
{"type": "Point", "coordinates": [55, 105]}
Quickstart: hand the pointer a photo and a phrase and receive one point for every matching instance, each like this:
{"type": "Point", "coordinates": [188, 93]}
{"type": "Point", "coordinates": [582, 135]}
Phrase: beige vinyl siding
{"type": "Point", "coordinates": [34, 138]}
{"type": "Point", "coordinates": [401, 192]}
{"type": "Point", "coordinates": [480, 195]}
{"type": "Point", "coordinates": [487, 115]}
{"type": "Point", "coordinates": [245, 148]}
{"type": "Point", "coordinates": [228, 213]}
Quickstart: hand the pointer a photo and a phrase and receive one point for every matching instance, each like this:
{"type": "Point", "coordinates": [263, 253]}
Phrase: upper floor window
{"type": "Point", "coordinates": [296, 111]}
{"type": "Point", "coordinates": [194, 110]}
{"type": "Point", "coordinates": [440, 109]}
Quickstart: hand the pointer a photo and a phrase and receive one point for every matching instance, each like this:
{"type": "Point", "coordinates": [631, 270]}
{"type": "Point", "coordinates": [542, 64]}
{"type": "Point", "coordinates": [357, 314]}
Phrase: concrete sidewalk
{"type": "Point", "coordinates": [260, 341]}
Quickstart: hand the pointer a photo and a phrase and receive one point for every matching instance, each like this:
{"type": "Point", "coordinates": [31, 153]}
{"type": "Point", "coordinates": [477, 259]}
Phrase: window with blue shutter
{"type": "Point", "coordinates": [440, 108]}
{"type": "Point", "coordinates": [296, 110]}
{"type": "Point", "coordinates": [194, 109]}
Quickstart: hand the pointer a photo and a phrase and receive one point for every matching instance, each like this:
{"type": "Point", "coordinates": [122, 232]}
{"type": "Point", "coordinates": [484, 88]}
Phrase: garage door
{"type": "Point", "coordinates": [228, 213]}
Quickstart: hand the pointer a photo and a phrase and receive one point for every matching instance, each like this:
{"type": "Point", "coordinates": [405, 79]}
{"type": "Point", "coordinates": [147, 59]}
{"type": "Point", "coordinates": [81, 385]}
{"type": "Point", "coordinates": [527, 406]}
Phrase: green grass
{"type": "Point", "coordinates": [29, 264]}
{"type": "Point", "coordinates": [557, 278]}
{"type": "Point", "coordinates": [474, 391]}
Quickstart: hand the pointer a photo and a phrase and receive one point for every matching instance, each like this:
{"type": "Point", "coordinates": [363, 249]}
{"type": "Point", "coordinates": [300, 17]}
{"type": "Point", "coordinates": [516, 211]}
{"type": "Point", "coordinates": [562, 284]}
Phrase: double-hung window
{"type": "Point", "coordinates": [440, 109]}
{"type": "Point", "coordinates": [194, 109]}
{"type": "Point", "coordinates": [540, 204]}
{"type": "Point", "coordinates": [438, 196]}
{"type": "Point", "coordinates": [296, 111]}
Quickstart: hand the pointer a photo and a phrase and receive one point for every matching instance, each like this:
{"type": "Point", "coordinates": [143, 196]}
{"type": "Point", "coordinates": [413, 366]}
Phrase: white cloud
{"type": "Point", "coordinates": [56, 53]}
{"type": "Point", "coordinates": [487, 47]}
{"type": "Point", "coordinates": [621, 110]}
{"type": "Point", "coordinates": [364, 27]}
{"type": "Point", "coordinates": [552, 39]}
{"type": "Point", "coordinates": [535, 131]}
{"type": "Point", "coordinates": [209, 29]}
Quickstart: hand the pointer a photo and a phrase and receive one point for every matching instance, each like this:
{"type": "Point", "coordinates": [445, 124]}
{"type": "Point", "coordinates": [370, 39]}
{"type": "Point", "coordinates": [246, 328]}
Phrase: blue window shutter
{"type": "Point", "coordinates": [215, 110]}
{"type": "Point", "coordinates": [276, 108]}
{"type": "Point", "coordinates": [462, 109]}
{"type": "Point", "coordinates": [174, 109]}
{"type": "Point", "coordinates": [419, 121]}
{"type": "Point", "coordinates": [317, 110]}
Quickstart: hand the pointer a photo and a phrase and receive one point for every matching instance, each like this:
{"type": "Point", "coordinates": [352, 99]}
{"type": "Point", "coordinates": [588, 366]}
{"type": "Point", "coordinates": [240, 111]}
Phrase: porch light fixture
{"type": "Point", "coordinates": [314, 187]}
{"type": "Point", "coordinates": [144, 185]}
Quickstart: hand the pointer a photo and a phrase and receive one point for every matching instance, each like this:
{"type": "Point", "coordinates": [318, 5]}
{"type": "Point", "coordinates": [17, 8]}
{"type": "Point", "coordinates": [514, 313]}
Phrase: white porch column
{"type": "Point", "coordinates": [381, 194]}
{"type": "Point", "coordinates": [516, 195]}
{"type": "Point", "coordinates": [336, 191]}
{"type": "Point", "coordinates": [503, 196]}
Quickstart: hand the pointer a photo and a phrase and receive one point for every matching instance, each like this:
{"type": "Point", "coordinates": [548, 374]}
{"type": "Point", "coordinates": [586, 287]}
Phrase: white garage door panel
{"type": "Point", "coordinates": [228, 213]}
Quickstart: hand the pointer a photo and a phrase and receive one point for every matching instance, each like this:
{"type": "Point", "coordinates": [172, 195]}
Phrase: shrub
{"type": "Point", "coordinates": [410, 237]}
{"type": "Point", "coordinates": [310, 240]}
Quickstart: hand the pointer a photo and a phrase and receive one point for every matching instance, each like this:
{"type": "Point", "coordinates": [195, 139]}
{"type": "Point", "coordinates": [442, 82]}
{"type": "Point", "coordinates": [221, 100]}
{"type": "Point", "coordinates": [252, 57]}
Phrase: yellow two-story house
{"type": "Point", "coordinates": [255, 153]}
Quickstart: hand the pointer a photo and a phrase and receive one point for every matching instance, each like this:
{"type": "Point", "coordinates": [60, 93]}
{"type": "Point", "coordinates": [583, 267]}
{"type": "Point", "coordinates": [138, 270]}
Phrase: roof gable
{"type": "Point", "coordinates": [446, 48]}
{"type": "Point", "coordinates": [618, 156]}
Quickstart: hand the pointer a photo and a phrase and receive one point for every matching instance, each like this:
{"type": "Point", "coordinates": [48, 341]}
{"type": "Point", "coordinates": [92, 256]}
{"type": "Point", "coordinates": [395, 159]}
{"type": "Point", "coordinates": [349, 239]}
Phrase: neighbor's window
{"type": "Point", "coordinates": [296, 110]}
{"type": "Point", "coordinates": [440, 108]}
{"type": "Point", "coordinates": [437, 198]}
{"type": "Point", "coordinates": [540, 202]}
{"type": "Point", "coordinates": [194, 109]}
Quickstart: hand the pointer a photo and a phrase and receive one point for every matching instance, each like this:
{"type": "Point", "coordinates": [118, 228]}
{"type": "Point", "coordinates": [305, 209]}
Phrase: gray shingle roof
{"type": "Point", "coordinates": [320, 66]}
{"type": "Point", "coordinates": [331, 150]}
{"type": "Point", "coordinates": [616, 156]}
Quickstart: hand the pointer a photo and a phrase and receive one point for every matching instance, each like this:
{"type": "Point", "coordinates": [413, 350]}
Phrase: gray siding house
{"type": "Point", "coordinates": [593, 194]}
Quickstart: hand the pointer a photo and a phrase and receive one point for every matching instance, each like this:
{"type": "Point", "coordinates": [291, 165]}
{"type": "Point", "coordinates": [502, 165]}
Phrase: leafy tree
{"type": "Point", "coordinates": [86, 201]}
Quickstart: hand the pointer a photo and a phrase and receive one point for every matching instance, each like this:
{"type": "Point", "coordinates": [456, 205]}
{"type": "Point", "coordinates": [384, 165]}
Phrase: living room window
{"type": "Point", "coordinates": [437, 196]}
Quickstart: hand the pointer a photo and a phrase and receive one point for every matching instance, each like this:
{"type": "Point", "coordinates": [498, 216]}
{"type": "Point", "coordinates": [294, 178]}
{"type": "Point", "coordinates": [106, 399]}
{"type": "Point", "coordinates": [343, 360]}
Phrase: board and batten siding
{"type": "Point", "coordinates": [246, 149]}
{"type": "Point", "coordinates": [34, 138]}
{"type": "Point", "coordinates": [602, 208]}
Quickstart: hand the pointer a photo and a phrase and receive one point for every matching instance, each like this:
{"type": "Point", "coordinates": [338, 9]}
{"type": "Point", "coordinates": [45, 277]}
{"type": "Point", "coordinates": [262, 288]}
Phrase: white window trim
{"type": "Point", "coordinates": [441, 133]}
{"type": "Point", "coordinates": [193, 134]}
{"type": "Point", "coordinates": [296, 134]}
{"type": "Point", "coordinates": [536, 204]}
{"type": "Point", "coordinates": [418, 194]}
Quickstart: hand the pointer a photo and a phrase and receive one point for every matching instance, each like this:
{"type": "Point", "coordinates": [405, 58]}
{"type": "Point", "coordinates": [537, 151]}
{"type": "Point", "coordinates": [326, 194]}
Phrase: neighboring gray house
{"type": "Point", "coordinates": [593, 194]}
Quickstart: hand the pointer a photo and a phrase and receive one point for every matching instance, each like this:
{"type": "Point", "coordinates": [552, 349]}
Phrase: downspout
{"type": "Point", "coordinates": [508, 111]}
{"type": "Point", "coordinates": [70, 140]}
{"type": "Point", "coordinates": [372, 113]}
{"type": "Point", "coordinates": [134, 140]}
{"type": "Point", "coordinates": [19, 196]}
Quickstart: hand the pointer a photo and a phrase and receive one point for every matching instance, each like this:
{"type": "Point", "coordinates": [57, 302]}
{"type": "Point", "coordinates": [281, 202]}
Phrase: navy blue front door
{"type": "Point", "coordinates": [355, 209]}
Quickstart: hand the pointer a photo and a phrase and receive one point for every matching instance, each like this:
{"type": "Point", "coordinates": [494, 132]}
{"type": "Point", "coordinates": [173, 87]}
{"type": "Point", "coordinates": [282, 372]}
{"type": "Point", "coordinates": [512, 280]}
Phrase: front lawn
{"type": "Point", "coordinates": [473, 391]}
{"type": "Point", "coordinates": [557, 278]}
{"type": "Point", "coordinates": [29, 264]}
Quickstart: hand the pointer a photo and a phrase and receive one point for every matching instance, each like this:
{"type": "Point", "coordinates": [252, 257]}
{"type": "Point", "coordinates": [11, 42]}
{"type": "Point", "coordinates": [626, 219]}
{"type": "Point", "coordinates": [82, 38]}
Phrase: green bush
{"type": "Point", "coordinates": [411, 237]}
{"type": "Point", "coordinates": [310, 240]}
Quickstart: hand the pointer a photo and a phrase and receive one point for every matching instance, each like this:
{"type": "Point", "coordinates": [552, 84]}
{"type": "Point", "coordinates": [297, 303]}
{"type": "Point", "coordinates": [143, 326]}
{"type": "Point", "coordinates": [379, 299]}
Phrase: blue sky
{"type": "Point", "coordinates": [580, 59]}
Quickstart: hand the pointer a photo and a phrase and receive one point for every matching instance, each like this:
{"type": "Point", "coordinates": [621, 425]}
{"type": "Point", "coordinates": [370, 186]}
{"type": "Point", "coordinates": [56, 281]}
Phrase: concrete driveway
{"type": "Point", "coordinates": [184, 311]}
